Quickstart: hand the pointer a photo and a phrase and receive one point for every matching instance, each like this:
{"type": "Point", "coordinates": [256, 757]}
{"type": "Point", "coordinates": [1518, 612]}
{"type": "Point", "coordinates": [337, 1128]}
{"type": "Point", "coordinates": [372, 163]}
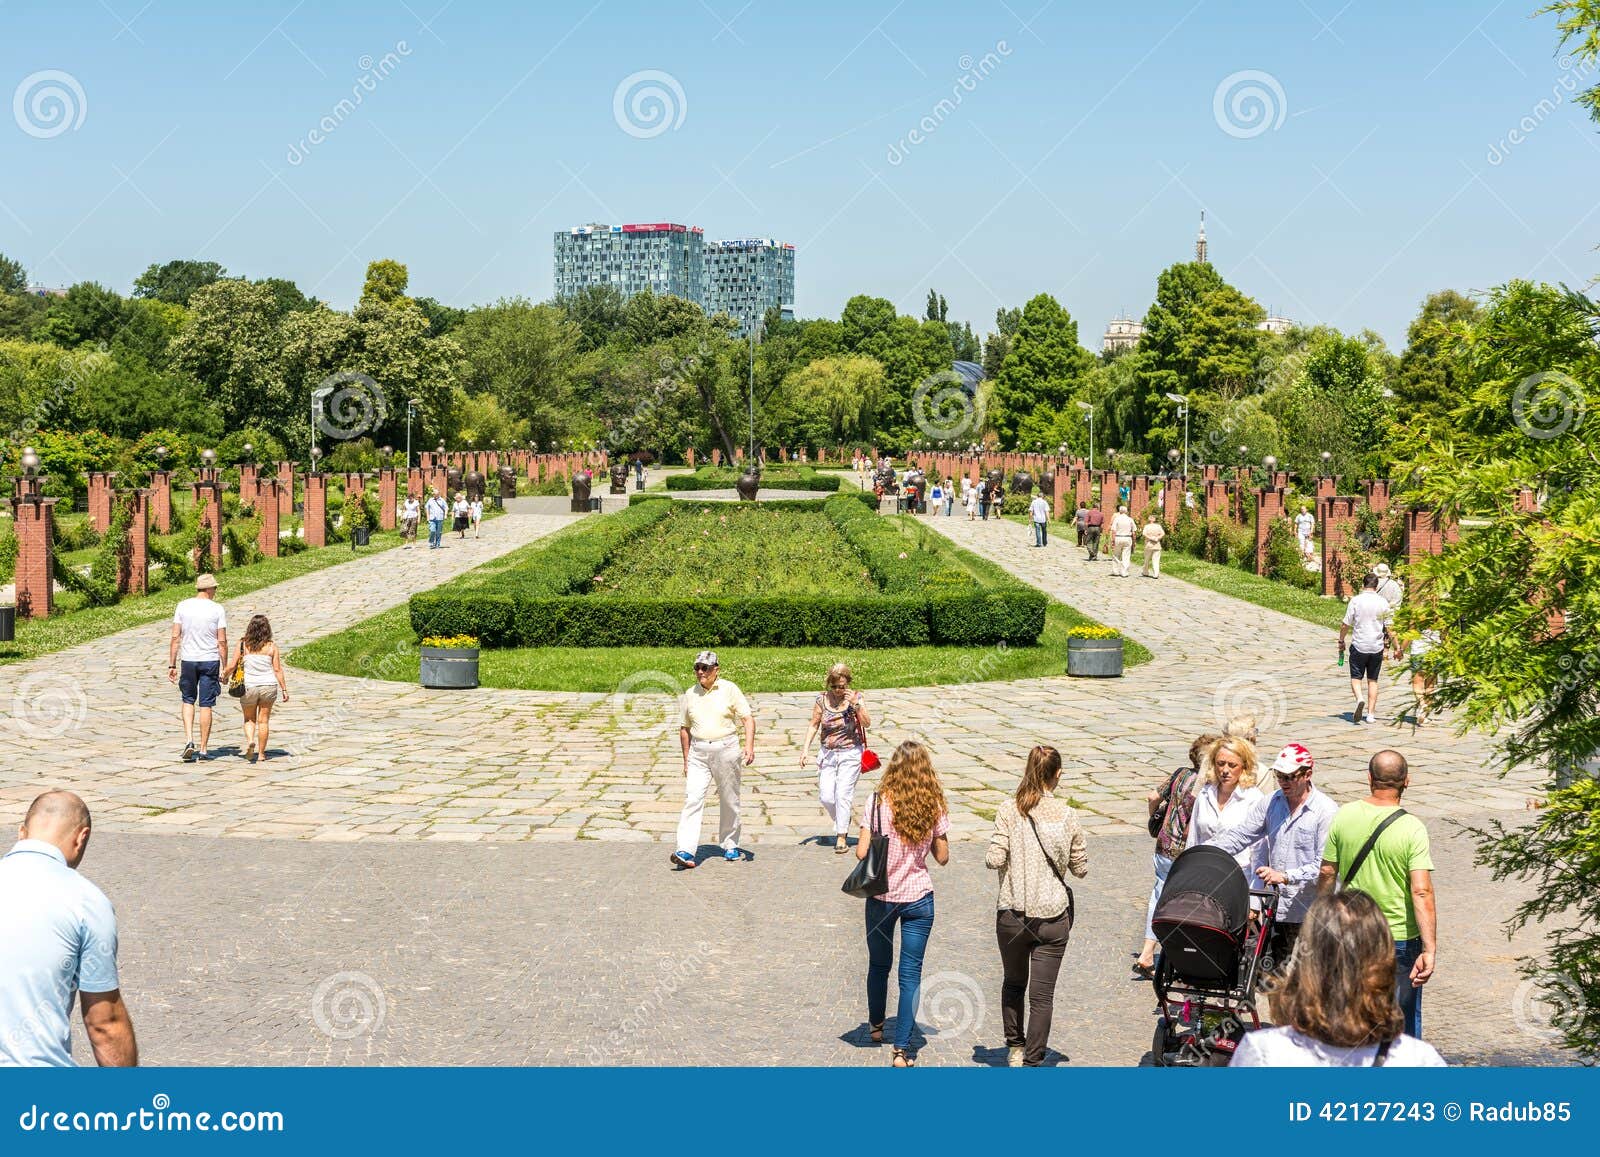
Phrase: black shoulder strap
{"type": "Point", "coordinates": [1382, 1056]}
{"type": "Point", "coordinates": [1046, 851]}
{"type": "Point", "coordinates": [1372, 842]}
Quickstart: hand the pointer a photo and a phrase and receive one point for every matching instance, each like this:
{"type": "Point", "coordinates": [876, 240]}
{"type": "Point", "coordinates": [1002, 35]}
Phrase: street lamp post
{"type": "Point", "coordinates": [1089, 410]}
{"type": "Point", "coordinates": [411, 412]}
{"type": "Point", "coordinates": [751, 450]}
{"type": "Point", "coordinates": [318, 396]}
{"type": "Point", "coordinates": [1183, 412]}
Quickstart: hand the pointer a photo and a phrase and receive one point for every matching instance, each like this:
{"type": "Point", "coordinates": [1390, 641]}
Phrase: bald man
{"type": "Point", "coordinates": [58, 939]}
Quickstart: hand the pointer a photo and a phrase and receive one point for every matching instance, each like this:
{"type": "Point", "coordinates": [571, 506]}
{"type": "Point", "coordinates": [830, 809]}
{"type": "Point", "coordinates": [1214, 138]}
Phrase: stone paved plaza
{"type": "Point", "coordinates": [433, 877]}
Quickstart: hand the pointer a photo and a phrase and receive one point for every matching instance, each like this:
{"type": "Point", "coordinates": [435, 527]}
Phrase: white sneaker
{"type": "Point", "coordinates": [1369, 718]}
{"type": "Point", "coordinates": [1014, 1055]}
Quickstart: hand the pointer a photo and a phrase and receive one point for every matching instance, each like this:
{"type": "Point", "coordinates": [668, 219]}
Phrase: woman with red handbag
{"type": "Point", "coordinates": [841, 719]}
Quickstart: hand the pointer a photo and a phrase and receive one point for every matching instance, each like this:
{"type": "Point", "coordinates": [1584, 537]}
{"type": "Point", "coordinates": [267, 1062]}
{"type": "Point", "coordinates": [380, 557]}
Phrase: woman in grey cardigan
{"type": "Point", "coordinates": [1036, 841]}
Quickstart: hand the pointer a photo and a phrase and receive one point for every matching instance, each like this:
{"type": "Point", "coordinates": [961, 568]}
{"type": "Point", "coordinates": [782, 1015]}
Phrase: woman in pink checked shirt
{"type": "Point", "coordinates": [909, 808]}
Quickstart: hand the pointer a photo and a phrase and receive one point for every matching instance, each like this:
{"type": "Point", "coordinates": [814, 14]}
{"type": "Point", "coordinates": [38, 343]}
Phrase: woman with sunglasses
{"type": "Point", "coordinates": [840, 717]}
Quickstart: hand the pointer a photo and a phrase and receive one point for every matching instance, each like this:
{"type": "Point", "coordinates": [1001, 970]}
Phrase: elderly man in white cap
{"type": "Point", "coordinates": [1123, 528]}
{"type": "Point", "coordinates": [1391, 588]}
{"type": "Point", "coordinates": [714, 712]}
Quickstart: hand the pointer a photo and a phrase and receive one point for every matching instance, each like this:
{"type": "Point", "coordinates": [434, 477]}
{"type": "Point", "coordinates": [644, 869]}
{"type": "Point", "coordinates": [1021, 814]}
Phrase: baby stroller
{"type": "Point", "coordinates": [1211, 958]}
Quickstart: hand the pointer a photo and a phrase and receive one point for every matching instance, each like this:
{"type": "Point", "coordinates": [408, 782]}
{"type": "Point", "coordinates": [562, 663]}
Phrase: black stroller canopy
{"type": "Point", "coordinates": [1215, 873]}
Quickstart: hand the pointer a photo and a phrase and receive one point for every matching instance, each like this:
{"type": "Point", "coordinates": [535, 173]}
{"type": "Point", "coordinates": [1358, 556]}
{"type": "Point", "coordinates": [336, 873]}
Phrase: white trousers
{"type": "Point", "coordinates": [1152, 561]}
{"type": "Point", "coordinates": [715, 761]}
{"type": "Point", "coordinates": [838, 769]}
{"type": "Point", "coordinates": [1121, 555]}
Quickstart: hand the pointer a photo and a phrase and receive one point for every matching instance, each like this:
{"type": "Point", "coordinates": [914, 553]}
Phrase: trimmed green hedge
{"type": "Point", "coordinates": [775, 478]}
{"type": "Point", "coordinates": [931, 593]}
{"type": "Point", "coordinates": [861, 497]}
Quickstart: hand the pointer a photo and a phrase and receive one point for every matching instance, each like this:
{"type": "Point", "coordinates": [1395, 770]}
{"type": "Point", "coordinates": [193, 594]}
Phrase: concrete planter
{"type": "Point", "coordinates": [450, 668]}
{"type": "Point", "coordinates": [1094, 658]}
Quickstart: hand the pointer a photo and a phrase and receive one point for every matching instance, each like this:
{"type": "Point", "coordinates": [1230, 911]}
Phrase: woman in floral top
{"type": "Point", "coordinates": [1178, 794]}
{"type": "Point", "coordinates": [909, 808]}
{"type": "Point", "coordinates": [841, 719]}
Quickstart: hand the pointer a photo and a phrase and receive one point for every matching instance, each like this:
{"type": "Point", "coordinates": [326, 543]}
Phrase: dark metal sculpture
{"type": "Point", "coordinates": [747, 485]}
{"type": "Point", "coordinates": [508, 484]}
{"type": "Point", "coordinates": [452, 481]}
{"type": "Point", "coordinates": [474, 483]}
{"type": "Point", "coordinates": [619, 477]}
{"type": "Point", "coordinates": [1022, 483]}
{"type": "Point", "coordinates": [1047, 482]}
{"type": "Point", "coordinates": [581, 482]}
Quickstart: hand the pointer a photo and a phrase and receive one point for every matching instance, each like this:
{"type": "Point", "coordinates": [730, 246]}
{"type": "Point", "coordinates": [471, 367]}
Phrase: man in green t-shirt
{"type": "Point", "coordinates": [1397, 873]}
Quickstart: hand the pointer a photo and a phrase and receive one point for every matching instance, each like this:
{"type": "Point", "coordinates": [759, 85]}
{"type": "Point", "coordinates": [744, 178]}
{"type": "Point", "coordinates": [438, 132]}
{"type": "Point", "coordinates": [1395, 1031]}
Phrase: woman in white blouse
{"type": "Point", "coordinates": [1226, 790]}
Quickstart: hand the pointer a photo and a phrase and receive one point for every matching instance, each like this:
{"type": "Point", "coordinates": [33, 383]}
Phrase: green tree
{"type": "Point", "coordinates": [13, 277]}
{"type": "Point", "coordinates": [1425, 384]}
{"type": "Point", "coordinates": [1042, 372]}
{"type": "Point", "coordinates": [836, 398]}
{"type": "Point", "coordinates": [231, 344]}
{"type": "Point", "coordinates": [176, 281]}
{"type": "Point", "coordinates": [598, 311]}
{"type": "Point", "coordinates": [386, 283]}
{"type": "Point", "coordinates": [524, 355]}
{"type": "Point", "coordinates": [998, 343]}
{"type": "Point", "coordinates": [90, 314]}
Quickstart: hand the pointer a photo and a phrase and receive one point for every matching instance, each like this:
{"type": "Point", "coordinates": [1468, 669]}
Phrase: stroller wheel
{"type": "Point", "coordinates": [1161, 1044]}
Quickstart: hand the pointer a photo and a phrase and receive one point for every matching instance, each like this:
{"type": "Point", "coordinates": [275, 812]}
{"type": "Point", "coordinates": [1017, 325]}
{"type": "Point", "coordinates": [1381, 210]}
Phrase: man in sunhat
{"type": "Point", "coordinates": [1391, 588]}
{"type": "Point", "coordinates": [197, 650]}
{"type": "Point", "coordinates": [1293, 821]}
{"type": "Point", "coordinates": [713, 714]}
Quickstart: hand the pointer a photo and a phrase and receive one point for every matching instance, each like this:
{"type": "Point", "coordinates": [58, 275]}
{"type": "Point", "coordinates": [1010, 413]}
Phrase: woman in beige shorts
{"type": "Point", "coordinates": [264, 684]}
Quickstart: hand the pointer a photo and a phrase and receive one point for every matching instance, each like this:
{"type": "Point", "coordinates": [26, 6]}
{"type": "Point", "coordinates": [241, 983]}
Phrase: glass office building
{"type": "Point", "coordinates": [742, 278]}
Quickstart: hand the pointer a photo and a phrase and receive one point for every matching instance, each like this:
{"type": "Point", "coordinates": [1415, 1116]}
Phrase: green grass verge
{"type": "Point", "coordinates": [69, 628]}
{"type": "Point", "coordinates": [1268, 593]}
{"type": "Point", "coordinates": [386, 644]}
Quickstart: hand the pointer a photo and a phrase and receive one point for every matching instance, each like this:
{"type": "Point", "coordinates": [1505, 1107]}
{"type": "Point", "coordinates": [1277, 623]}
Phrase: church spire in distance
{"type": "Point", "coordinates": [1200, 241]}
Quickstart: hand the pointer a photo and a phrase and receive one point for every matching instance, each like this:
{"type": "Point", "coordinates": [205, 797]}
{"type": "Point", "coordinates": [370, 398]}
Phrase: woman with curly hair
{"type": "Point", "coordinates": [1336, 1003]}
{"type": "Point", "coordinates": [909, 808]}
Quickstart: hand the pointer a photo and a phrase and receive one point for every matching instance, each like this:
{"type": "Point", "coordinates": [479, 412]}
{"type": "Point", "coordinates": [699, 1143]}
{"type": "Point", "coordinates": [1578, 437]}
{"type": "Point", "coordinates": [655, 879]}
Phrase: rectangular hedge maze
{"type": "Point", "coordinates": [786, 574]}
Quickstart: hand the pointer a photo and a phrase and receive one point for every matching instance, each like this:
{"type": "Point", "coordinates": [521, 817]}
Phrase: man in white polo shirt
{"type": "Point", "coordinates": [1366, 625]}
{"type": "Point", "coordinates": [714, 711]}
{"type": "Point", "coordinates": [58, 940]}
{"type": "Point", "coordinates": [1039, 512]}
{"type": "Point", "coordinates": [197, 651]}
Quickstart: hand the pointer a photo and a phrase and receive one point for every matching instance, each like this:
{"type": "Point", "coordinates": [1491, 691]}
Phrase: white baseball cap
{"type": "Point", "coordinates": [706, 659]}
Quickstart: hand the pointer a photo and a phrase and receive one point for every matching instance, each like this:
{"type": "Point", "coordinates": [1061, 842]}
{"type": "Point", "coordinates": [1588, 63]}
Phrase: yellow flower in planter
{"type": "Point", "coordinates": [1093, 632]}
{"type": "Point", "coordinates": [451, 641]}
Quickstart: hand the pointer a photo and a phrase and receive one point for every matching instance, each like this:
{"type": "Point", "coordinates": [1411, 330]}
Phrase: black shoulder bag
{"type": "Point", "coordinates": [870, 876]}
{"type": "Point", "coordinates": [1159, 816]}
{"type": "Point", "coordinates": [1071, 910]}
{"type": "Point", "coordinates": [1366, 848]}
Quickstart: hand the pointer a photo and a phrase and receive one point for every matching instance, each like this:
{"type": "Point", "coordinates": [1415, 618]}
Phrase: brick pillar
{"type": "Point", "coordinates": [1279, 478]}
{"type": "Point", "coordinates": [1138, 497]}
{"type": "Point", "coordinates": [738, 453]}
{"type": "Point", "coordinates": [716, 456]}
{"type": "Point", "coordinates": [208, 506]}
{"type": "Point", "coordinates": [285, 489]}
{"type": "Point", "coordinates": [1526, 502]}
{"type": "Point", "coordinates": [355, 485]}
{"type": "Point", "coordinates": [1327, 487]}
{"type": "Point", "coordinates": [161, 500]}
{"type": "Point", "coordinates": [531, 464]}
{"type": "Point", "coordinates": [269, 494]}
{"type": "Point", "coordinates": [1082, 486]}
{"type": "Point", "coordinates": [248, 473]}
{"type": "Point", "coordinates": [1210, 473]}
{"type": "Point", "coordinates": [133, 570]}
{"type": "Point", "coordinates": [1172, 500]}
{"type": "Point", "coordinates": [1059, 495]}
{"type": "Point", "coordinates": [1375, 491]}
{"type": "Point", "coordinates": [416, 482]}
{"type": "Point", "coordinates": [387, 499]}
{"type": "Point", "coordinates": [35, 576]}
{"type": "Point", "coordinates": [1336, 515]}
{"type": "Point", "coordinates": [1269, 508]}
{"type": "Point", "coordinates": [1216, 496]}
{"type": "Point", "coordinates": [316, 520]}
{"type": "Point", "coordinates": [1424, 535]}
{"type": "Point", "coordinates": [100, 500]}
{"type": "Point", "coordinates": [688, 456]}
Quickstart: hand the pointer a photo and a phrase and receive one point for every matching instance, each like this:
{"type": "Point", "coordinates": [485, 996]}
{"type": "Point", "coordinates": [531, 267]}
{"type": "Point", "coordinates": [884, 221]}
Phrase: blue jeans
{"type": "Point", "coordinates": [435, 531]}
{"type": "Point", "coordinates": [916, 921]}
{"type": "Point", "coordinates": [1039, 533]}
{"type": "Point", "coordinates": [1406, 994]}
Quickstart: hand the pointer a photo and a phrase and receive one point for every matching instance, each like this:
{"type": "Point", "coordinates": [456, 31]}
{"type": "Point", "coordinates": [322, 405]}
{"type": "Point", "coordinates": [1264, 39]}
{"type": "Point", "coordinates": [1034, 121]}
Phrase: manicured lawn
{"type": "Point", "coordinates": [385, 643]}
{"type": "Point", "coordinates": [742, 550]}
{"type": "Point", "coordinates": [71, 627]}
{"type": "Point", "coordinates": [1269, 593]}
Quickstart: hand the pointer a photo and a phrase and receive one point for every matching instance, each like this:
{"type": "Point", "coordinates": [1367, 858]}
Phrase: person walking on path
{"type": "Point", "coordinates": [1377, 847]}
{"type": "Point", "coordinates": [1366, 625]}
{"type": "Point", "coordinates": [1335, 1005]}
{"type": "Point", "coordinates": [1422, 681]}
{"type": "Point", "coordinates": [949, 499]}
{"type": "Point", "coordinates": [936, 497]}
{"type": "Point", "coordinates": [58, 942]}
{"type": "Point", "coordinates": [263, 681]}
{"type": "Point", "coordinates": [909, 808]}
{"type": "Point", "coordinates": [1173, 802]}
{"type": "Point", "coordinates": [714, 710]}
{"type": "Point", "coordinates": [1153, 534]}
{"type": "Point", "coordinates": [1092, 522]}
{"type": "Point", "coordinates": [410, 512]}
{"type": "Point", "coordinates": [195, 654]}
{"type": "Point", "coordinates": [1225, 793]}
{"type": "Point", "coordinates": [1039, 513]}
{"type": "Point", "coordinates": [463, 514]}
{"type": "Point", "coordinates": [1123, 528]}
{"type": "Point", "coordinates": [475, 516]}
{"type": "Point", "coordinates": [1037, 840]}
{"type": "Point", "coordinates": [972, 503]}
{"type": "Point", "coordinates": [841, 719]}
{"type": "Point", "coordinates": [1391, 588]}
{"type": "Point", "coordinates": [435, 511]}
{"type": "Point", "coordinates": [1304, 524]}
{"type": "Point", "coordinates": [1080, 520]}
{"type": "Point", "coordinates": [1293, 824]}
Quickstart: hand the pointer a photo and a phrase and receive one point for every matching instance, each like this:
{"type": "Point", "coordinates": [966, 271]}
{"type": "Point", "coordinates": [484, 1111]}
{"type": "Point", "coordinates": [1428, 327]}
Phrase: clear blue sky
{"type": "Point", "coordinates": [1077, 166]}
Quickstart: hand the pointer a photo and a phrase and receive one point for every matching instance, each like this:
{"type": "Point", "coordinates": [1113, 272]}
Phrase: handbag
{"type": "Point", "coordinates": [870, 876]}
{"type": "Point", "coordinates": [1159, 816]}
{"type": "Point", "coordinates": [1071, 910]}
{"type": "Point", "coordinates": [236, 683]}
{"type": "Point", "coordinates": [869, 758]}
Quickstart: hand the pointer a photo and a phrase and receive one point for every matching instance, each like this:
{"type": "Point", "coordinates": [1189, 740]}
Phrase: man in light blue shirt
{"type": "Point", "coordinates": [1294, 822]}
{"type": "Point", "coordinates": [58, 939]}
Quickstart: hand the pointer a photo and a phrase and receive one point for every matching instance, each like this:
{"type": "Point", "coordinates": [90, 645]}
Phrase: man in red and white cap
{"type": "Point", "coordinates": [1293, 821]}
